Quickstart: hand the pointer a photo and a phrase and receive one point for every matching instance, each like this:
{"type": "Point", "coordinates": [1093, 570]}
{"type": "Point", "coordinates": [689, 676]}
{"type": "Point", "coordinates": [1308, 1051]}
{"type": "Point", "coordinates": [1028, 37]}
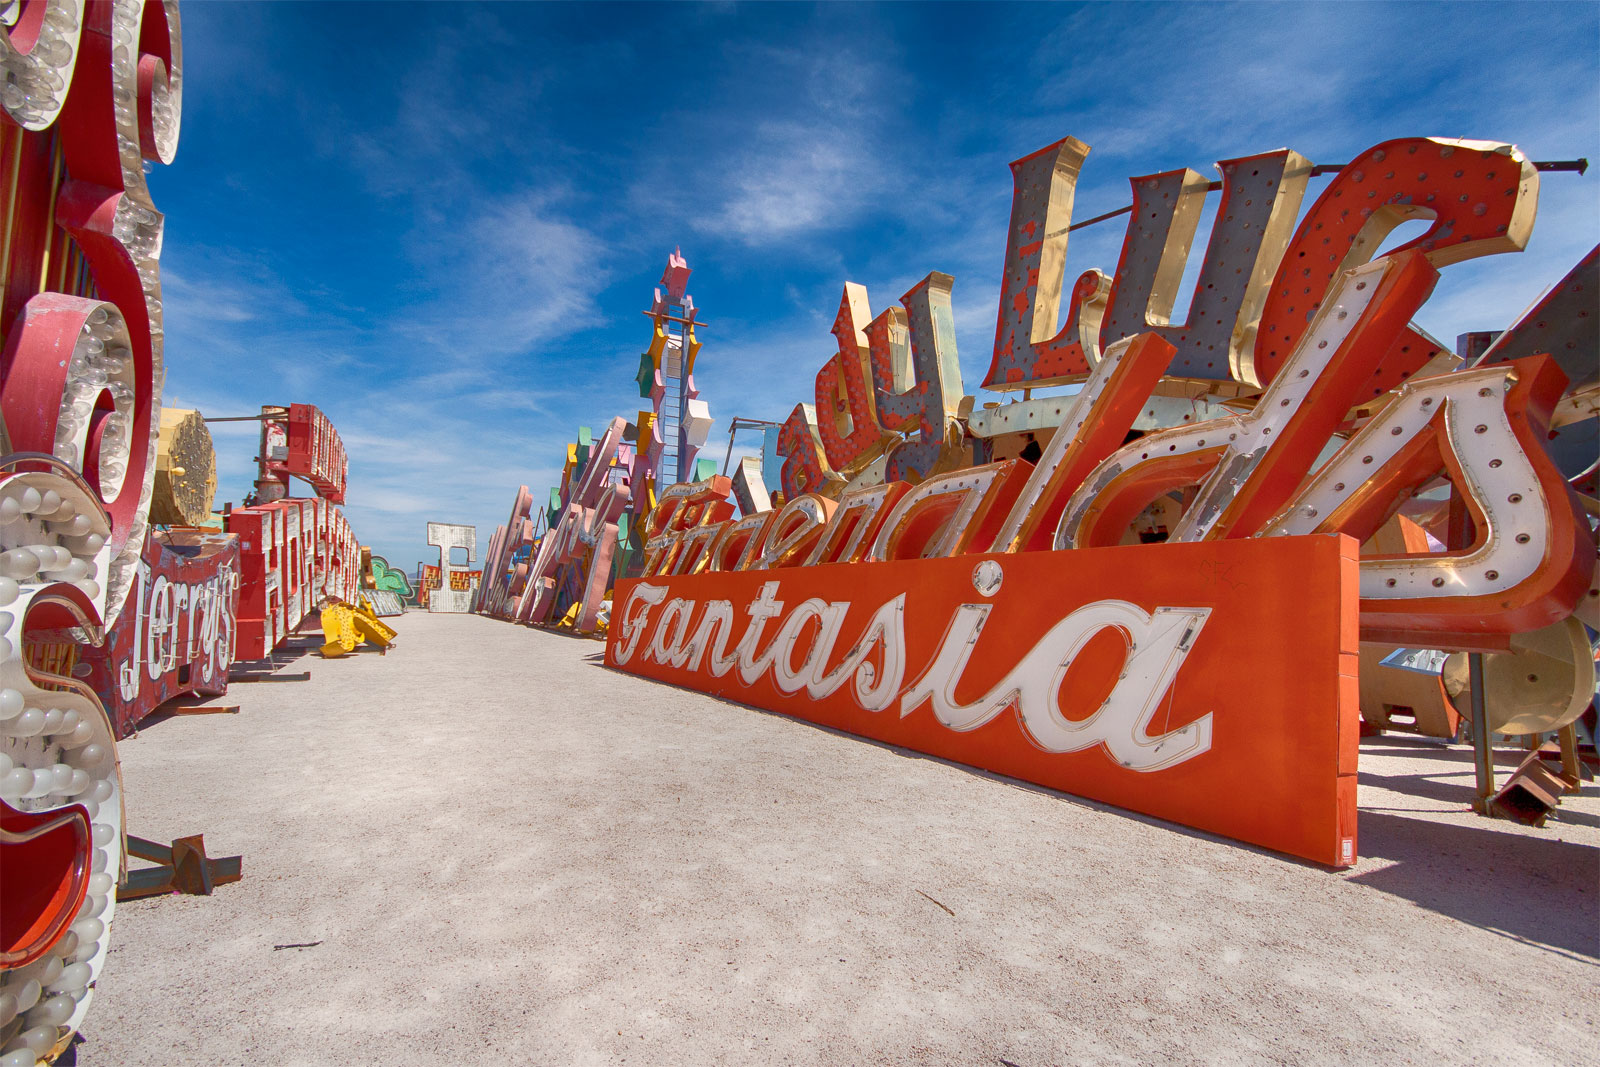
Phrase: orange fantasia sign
{"type": "Point", "coordinates": [1151, 590]}
{"type": "Point", "coordinates": [1159, 678]}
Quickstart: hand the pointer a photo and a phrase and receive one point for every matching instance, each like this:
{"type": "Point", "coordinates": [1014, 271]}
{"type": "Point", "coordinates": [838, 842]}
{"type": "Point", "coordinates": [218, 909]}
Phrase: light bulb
{"type": "Point", "coordinates": [17, 781]}
{"type": "Point", "coordinates": [39, 1039]}
{"type": "Point", "coordinates": [50, 969]}
{"type": "Point", "coordinates": [91, 755]}
{"type": "Point", "coordinates": [52, 721]}
{"type": "Point", "coordinates": [18, 564]}
{"type": "Point", "coordinates": [28, 724]}
{"type": "Point", "coordinates": [102, 837]}
{"type": "Point", "coordinates": [63, 777]}
{"type": "Point", "coordinates": [72, 979]}
{"type": "Point", "coordinates": [102, 790]}
{"type": "Point", "coordinates": [29, 499]}
{"type": "Point", "coordinates": [53, 1012]}
{"type": "Point", "coordinates": [50, 503]}
{"type": "Point", "coordinates": [10, 704]}
{"type": "Point", "coordinates": [81, 735]}
{"type": "Point", "coordinates": [72, 571]}
{"type": "Point", "coordinates": [10, 510]}
{"type": "Point", "coordinates": [27, 994]}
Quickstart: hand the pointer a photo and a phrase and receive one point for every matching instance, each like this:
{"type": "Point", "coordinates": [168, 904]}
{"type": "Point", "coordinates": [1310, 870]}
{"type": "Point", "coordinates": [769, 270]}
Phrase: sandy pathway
{"type": "Point", "coordinates": [511, 855]}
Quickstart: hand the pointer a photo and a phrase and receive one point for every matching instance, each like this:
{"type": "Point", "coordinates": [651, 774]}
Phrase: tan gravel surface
{"type": "Point", "coordinates": [507, 854]}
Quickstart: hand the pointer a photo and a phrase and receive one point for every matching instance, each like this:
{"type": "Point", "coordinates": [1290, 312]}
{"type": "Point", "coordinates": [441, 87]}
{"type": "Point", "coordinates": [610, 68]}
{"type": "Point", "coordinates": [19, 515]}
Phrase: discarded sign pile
{"type": "Point", "coordinates": [608, 486]}
{"type": "Point", "coordinates": [1153, 591]}
{"type": "Point", "coordinates": [117, 590]}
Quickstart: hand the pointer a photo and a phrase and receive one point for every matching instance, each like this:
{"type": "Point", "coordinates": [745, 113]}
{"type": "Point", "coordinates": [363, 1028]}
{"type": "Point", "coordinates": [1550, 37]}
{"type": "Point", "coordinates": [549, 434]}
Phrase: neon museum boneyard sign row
{"type": "Point", "coordinates": [116, 592]}
{"type": "Point", "coordinates": [1150, 592]}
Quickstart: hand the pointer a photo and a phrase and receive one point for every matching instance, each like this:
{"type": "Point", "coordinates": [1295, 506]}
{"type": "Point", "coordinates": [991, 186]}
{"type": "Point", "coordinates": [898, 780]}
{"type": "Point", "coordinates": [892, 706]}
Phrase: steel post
{"type": "Point", "coordinates": [1482, 746]}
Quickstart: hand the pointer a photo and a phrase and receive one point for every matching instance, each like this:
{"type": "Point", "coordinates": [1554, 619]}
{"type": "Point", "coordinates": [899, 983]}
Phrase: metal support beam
{"type": "Point", "coordinates": [1482, 744]}
{"type": "Point", "coordinates": [734, 427]}
{"type": "Point", "coordinates": [1569, 752]}
{"type": "Point", "coordinates": [182, 867]}
{"type": "Point", "coordinates": [271, 483]}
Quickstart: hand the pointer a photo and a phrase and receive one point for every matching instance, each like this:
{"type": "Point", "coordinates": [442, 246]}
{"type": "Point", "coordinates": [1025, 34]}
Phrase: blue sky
{"type": "Point", "coordinates": [439, 222]}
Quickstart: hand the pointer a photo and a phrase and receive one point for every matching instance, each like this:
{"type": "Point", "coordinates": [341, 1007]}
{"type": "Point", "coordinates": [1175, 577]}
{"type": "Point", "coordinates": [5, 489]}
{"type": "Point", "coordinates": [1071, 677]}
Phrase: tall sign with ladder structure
{"type": "Point", "coordinates": [679, 421]}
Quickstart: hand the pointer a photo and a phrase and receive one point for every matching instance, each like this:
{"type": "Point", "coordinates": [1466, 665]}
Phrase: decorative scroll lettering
{"type": "Point", "coordinates": [1481, 196]}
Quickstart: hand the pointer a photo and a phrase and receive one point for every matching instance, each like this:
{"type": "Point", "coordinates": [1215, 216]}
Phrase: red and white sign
{"type": "Point", "coordinates": [316, 452]}
{"type": "Point", "coordinates": [291, 554]}
{"type": "Point", "coordinates": [1159, 678]}
{"type": "Point", "coordinates": [178, 636]}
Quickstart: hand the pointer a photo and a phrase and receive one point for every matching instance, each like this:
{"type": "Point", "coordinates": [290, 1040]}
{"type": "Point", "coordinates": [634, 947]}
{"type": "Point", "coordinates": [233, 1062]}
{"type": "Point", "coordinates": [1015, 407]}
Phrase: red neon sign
{"type": "Point", "coordinates": [316, 452]}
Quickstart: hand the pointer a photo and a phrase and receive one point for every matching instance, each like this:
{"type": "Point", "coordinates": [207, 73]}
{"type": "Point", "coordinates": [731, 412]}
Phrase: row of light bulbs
{"type": "Point", "coordinates": [35, 84]}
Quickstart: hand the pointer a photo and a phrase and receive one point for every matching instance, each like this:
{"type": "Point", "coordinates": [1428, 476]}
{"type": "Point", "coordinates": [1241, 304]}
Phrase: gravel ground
{"type": "Point", "coordinates": [506, 854]}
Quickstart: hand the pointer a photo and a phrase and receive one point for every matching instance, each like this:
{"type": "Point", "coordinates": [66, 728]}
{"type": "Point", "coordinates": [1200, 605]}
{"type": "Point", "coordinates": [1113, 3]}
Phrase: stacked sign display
{"type": "Point", "coordinates": [293, 553]}
{"type": "Point", "coordinates": [116, 592]}
{"type": "Point", "coordinates": [1153, 589]}
{"type": "Point", "coordinates": [558, 563]}
{"type": "Point", "coordinates": [670, 438]}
